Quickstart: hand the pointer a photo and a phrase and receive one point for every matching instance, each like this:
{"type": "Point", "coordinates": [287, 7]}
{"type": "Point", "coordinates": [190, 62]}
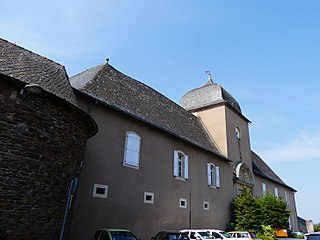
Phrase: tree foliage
{"type": "Point", "coordinates": [274, 212]}
{"type": "Point", "coordinates": [316, 227]}
{"type": "Point", "coordinates": [254, 213]}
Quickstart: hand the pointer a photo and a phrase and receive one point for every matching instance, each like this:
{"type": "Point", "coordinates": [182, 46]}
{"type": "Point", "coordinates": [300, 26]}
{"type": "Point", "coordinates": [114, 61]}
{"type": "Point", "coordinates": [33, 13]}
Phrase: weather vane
{"type": "Point", "coordinates": [209, 75]}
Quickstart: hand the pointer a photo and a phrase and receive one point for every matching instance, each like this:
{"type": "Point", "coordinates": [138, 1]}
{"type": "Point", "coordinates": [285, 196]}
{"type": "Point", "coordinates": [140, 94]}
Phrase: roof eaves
{"type": "Point", "coordinates": [131, 114]}
{"type": "Point", "coordinates": [273, 180]}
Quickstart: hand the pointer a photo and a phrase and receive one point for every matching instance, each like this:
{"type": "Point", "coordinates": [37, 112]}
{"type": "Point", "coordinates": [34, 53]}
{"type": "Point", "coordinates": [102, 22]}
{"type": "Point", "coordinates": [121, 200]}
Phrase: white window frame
{"type": "Point", "coordinates": [183, 200]}
{"type": "Point", "coordinates": [213, 175]}
{"type": "Point", "coordinates": [276, 192]}
{"type": "Point", "coordinates": [150, 194]}
{"type": "Point", "coordinates": [180, 165]}
{"type": "Point", "coordinates": [286, 196]}
{"type": "Point", "coordinates": [132, 150]}
{"type": "Point", "coordinates": [264, 189]}
{"type": "Point", "coordinates": [99, 195]}
{"type": "Point", "coordinates": [206, 206]}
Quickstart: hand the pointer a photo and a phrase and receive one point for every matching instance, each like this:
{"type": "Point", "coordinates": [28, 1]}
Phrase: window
{"type": "Point", "coordinates": [276, 192]}
{"type": "Point", "coordinates": [132, 150]}
{"type": "Point", "coordinates": [206, 206]}
{"type": "Point", "coordinates": [183, 203]}
{"type": "Point", "coordinates": [264, 189]}
{"type": "Point", "coordinates": [100, 191]}
{"type": "Point", "coordinates": [289, 223]}
{"type": "Point", "coordinates": [213, 175]}
{"type": "Point", "coordinates": [148, 197]}
{"type": "Point", "coordinates": [286, 195]}
{"type": "Point", "coordinates": [180, 165]}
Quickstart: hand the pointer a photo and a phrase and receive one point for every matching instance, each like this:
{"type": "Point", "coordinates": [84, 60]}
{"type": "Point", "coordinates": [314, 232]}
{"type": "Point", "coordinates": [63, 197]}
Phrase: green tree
{"type": "Point", "coordinates": [316, 227]}
{"type": "Point", "coordinates": [247, 212]}
{"type": "Point", "coordinates": [274, 212]}
{"type": "Point", "coordinates": [257, 213]}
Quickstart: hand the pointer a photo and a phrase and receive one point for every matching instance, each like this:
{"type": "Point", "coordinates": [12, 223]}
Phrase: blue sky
{"type": "Point", "coordinates": [266, 53]}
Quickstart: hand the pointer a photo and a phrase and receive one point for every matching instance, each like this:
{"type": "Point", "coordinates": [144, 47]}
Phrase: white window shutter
{"type": "Point", "coordinates": [209, 174]}
{"type": "Point", "coordinates": [186, 167]}
{"type": "Point", "coordinates": [175, 163]}
{"type": "Point", "coordinates": [217, 176]}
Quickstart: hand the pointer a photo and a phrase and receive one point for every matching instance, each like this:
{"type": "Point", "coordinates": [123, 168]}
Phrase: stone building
{"type": "Point", "coordinates": [305, 226]}
{"type": "Point", "coordinates": [152, 165]}
{"type": "Point", "coordinates": [42, 141]}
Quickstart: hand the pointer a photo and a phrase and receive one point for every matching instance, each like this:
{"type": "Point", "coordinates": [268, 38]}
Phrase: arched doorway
{"type": "Point", "coordinates": [243, 178]}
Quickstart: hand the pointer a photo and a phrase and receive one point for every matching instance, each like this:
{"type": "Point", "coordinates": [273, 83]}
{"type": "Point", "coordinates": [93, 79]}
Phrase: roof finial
{"type": "Point", "coordinates": [209, 77]}
{"type": "Point", "coordinates": [107, 60]}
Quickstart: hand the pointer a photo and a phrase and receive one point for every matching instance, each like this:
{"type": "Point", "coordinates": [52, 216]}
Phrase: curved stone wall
{"type": "Point", "coordinates": [42, 140]}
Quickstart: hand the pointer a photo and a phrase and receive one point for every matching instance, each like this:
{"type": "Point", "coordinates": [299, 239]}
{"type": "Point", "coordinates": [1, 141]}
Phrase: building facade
{"type": "Point", "coordinates": [163, 165]}
{"type": "Point", "coordinates": [151, 165]}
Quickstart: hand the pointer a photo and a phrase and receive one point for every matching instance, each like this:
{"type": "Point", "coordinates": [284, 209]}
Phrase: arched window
{"type": "Point", "coordinates": [132, 150]}
{"type": "Point", "coordinates": [180, 164]}
{"type": "Point", "coordinates": [213, 175]}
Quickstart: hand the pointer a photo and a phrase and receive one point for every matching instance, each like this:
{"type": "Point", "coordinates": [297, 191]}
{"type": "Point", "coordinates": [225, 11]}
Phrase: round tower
{"type": "Point", "coordinates": [42, 141]}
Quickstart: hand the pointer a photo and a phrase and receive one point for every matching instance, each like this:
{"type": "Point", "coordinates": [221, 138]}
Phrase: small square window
{"type": "Point", "coordinates": [206, 206]}
{"type": "Point", "coordinates": [148, 197]}
{"type": "Point", "coordinates": [100, 191]}
{"type": "Point", "coordinates": [183, 203]}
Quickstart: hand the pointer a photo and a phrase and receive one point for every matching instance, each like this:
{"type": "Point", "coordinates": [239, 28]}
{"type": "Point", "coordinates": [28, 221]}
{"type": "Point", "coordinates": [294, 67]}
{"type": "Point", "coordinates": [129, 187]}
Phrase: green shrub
{"type": "Point", "coordinates": [267, 233]}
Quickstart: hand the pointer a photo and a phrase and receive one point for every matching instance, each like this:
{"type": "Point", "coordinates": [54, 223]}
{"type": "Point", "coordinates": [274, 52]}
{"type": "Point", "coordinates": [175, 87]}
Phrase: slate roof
{"type": "Point", "coordinates": [132, 97]}
{"type": "Point", "coordinates": [262, 169]}
{"type": "Point", "coordinates": [209, 94]}
{"type": "Point", "coordinates": [29, 67]}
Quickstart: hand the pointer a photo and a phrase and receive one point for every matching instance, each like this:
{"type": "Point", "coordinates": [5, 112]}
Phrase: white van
{"type": "Point", "coordinates": [196, 234]}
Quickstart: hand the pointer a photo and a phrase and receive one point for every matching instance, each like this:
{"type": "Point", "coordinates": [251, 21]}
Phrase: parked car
{"type": "Point", "coordinates": [219, 234]}
{"type": "Point", "coordinates": [198, 234]}
{"type": "Point", "coordinates": [243, 235]}
{"type": "Point", "coordinates": [313, 236]}
{"type": "Point", "coordinates": [171, 235]}
{"type": "Point", "coordinates": [114, 234]}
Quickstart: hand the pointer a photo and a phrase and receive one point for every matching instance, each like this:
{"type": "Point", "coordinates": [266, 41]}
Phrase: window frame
{"type": "Point", "coordinates": [287, 197]}
{"type": "Point", "coordinates": [213, 175]}
{"type": "Point", "coordinates": [180, 165]}
{"type": "Point", "coordinates": [132, 149]}
{"type": "Point", "coordinates": [264, 189]}
{"type": "Point", "coordinates": [206, 205]}
{"type": "Point", "coordinates": [99, 195]}
{"type": "Point", "coordinates": [183, 200]}
{"type": "Point", "coordinates": [145, 200]}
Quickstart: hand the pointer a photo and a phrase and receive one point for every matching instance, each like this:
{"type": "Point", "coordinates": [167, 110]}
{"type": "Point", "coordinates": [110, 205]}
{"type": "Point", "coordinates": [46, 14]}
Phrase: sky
{"type": "Point", "coordinates": [265, 53]}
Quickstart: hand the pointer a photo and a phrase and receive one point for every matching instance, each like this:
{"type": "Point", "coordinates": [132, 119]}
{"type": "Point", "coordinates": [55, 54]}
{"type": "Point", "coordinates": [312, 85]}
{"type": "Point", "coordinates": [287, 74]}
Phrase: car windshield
{"type": "Point", "coordinates": [206, 235]}
{"type": "Point", "coordinates": [121, 235]}
{"type": "Point", "coordinates": [313, 237]}
{"type": "Point", "coordinates": [178, 236]}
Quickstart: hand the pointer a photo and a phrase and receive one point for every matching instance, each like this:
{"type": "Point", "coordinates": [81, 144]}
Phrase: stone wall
{"type": "Point", "coordinates": [42, 141]}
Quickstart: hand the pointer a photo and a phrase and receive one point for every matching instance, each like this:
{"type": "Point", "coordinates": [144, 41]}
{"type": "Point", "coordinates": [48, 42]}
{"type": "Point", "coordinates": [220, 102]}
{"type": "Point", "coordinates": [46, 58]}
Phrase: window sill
{"type": "Point", "coordinates": [180, 178]}
{"type": "Point", "coordinates": [130, 166]}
